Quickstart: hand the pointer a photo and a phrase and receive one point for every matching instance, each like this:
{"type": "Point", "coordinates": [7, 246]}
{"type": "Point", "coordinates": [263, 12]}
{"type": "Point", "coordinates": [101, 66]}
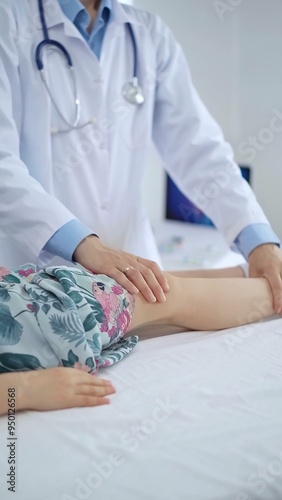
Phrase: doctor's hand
{"type": "Point", "coordinates": [133, 273]}
{"type": "Point", "coordinates": [266, 261]}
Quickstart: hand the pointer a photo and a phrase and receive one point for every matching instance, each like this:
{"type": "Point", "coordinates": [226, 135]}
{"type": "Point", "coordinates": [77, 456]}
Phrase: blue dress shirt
{"type": "Point", "coordinates": [64, 242]}
{"type": "Point", "coordinates": [79, 16]}
{"type": "Point", "coordinates": [254, 236]}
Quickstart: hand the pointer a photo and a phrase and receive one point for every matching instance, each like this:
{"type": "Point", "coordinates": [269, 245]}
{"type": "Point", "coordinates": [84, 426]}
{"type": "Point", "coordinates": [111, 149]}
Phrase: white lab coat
{"type": "Point", "coordinates": [94, 174]}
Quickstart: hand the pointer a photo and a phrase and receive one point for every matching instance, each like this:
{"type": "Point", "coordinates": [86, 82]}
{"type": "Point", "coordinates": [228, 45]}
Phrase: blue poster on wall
{"type": "Point", "coordinates": [180, 208]}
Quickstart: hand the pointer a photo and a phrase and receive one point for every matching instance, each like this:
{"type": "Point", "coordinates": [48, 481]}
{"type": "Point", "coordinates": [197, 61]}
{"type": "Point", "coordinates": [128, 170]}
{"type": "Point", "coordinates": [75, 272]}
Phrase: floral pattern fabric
{"type": "Point", "coordinates": [62, 316]}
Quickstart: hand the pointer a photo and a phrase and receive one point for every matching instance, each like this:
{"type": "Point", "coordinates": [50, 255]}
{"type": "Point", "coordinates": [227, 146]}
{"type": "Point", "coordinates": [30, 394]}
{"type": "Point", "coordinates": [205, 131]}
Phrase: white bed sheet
{"type": "Point", "coordinates": [197, 416]}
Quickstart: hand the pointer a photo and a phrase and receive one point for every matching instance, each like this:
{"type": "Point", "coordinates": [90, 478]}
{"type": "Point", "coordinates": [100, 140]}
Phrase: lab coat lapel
{"type": "Point", "coordinates": [55, 17]}
{"type": "Point", "coordinates": [121, 13]}
{"type": "Point", "coordinates": [120, 16]}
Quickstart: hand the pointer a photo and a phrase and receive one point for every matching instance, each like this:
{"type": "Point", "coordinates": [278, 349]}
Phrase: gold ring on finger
{"type": "Point", "coordinates": [127, 269]}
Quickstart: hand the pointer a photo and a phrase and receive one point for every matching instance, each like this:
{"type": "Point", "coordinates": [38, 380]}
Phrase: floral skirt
{"type": "Point", "coordinates": [62, 316]}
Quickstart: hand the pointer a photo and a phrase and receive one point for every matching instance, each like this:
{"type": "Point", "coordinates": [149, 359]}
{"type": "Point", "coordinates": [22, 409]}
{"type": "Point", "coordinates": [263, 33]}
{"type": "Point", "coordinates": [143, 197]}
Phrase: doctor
{"type": "Point", "coordinates": [85, 87]}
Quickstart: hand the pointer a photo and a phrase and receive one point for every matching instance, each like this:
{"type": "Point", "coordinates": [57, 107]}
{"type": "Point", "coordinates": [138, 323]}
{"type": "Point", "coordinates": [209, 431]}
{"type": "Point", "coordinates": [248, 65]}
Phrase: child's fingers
{"type": "Point", "coordinates": [84, 378]}
{"type": "Point", "coordinates": [102, 390]}
{"type": "Point", "coordinates": [83, 401]}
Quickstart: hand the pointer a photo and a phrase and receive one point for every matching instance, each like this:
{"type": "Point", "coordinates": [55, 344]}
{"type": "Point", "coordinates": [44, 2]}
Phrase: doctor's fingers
{"type": "Point", "coordinates": [275, 282]}
{"type": "Point", "coordinates": [143, 279]}
{"type": "Point", "coordinates": [156, 270]}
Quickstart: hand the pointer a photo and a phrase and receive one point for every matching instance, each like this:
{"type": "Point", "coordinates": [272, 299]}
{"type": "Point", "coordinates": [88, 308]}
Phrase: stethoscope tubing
{"type": "Point", "coordinates": [131, 91]}
{"type": "Point", "coordinates": [135, 56]}
{"type": "Point", "coordinates": [48, 41]}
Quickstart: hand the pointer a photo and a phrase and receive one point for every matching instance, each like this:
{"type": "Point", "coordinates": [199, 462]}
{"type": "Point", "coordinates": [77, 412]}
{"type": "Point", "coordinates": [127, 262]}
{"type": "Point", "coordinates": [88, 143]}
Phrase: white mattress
{"type": "Point", "coordinates": [196, 416]}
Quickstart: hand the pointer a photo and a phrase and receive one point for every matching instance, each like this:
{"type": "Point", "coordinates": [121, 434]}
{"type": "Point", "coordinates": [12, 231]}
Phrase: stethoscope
{"type": "Point", "coordinates": [131, 91]}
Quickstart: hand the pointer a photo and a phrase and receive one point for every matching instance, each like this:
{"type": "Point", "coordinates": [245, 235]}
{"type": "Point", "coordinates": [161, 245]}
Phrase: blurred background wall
{"type": "Point", "coordinates": [234, 53]}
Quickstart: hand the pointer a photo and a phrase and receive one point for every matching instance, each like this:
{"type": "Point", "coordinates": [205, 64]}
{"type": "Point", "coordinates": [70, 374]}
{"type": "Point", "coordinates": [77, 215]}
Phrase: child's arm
{"type": "Point", "coordinates": [52, 389]}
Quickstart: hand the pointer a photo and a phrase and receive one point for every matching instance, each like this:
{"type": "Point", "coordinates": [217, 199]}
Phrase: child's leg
{"type": "Point", "coordinates": [207, 304]}
{"type": "Point", "coordinates": [228, 272]}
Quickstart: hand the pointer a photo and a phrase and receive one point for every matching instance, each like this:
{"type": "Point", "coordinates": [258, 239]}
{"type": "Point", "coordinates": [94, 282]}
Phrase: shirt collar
{"type": "Point", "coordinates": [71, 9]}
{"type": "Point", "coordinates": [120, 14]}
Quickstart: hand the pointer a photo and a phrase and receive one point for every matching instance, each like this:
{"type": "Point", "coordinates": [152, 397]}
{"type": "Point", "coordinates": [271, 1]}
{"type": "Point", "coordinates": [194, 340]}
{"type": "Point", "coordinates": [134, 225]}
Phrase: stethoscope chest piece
{"type": "Point", "coordinates": [133, 93]}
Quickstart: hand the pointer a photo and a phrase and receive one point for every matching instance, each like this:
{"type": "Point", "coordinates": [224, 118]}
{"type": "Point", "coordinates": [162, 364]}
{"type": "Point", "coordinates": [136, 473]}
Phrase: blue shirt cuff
{"type": "Point", "coordinates": [64, 242]}
{"type": "Point", "coordinates": [253, 236]}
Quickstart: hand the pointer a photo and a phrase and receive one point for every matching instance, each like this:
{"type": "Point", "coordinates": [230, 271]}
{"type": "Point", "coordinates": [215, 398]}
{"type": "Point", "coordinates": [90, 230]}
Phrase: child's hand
{"type": "Point", "coordinates": [59, 388]}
